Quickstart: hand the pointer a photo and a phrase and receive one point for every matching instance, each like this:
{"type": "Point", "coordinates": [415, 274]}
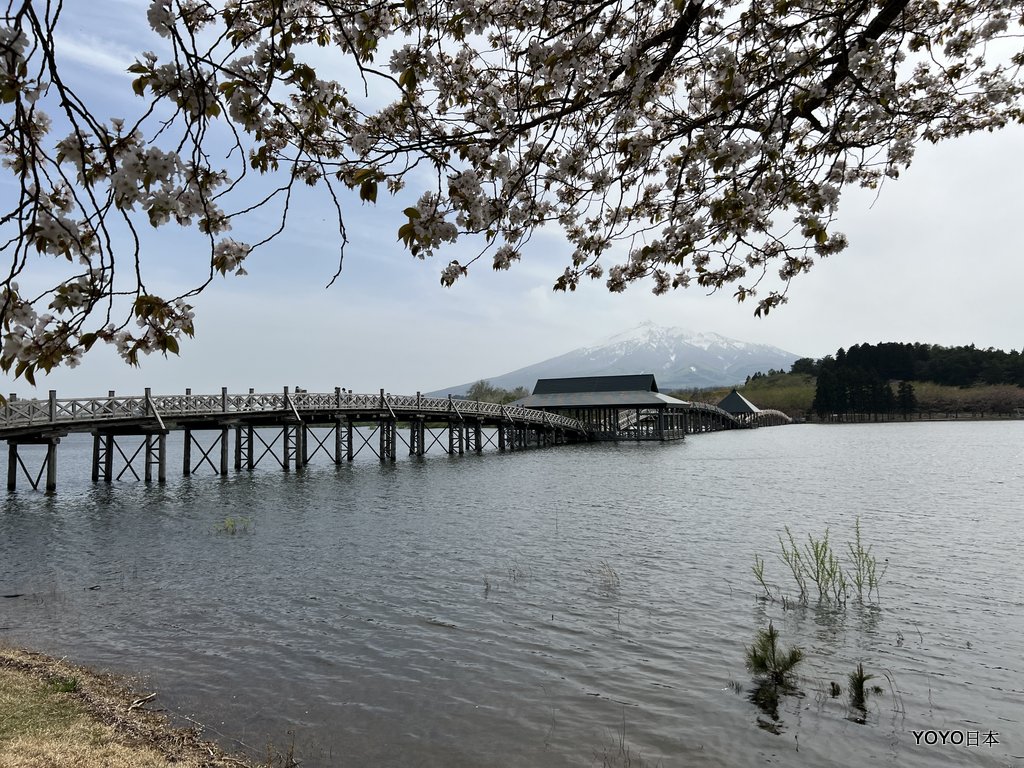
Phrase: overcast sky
{"type": "Point", "coordinates": [934, 257]}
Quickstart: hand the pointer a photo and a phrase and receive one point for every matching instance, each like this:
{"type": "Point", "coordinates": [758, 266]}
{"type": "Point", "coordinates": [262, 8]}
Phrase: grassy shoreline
{"type": "Point", "coordinates": [54, 713]}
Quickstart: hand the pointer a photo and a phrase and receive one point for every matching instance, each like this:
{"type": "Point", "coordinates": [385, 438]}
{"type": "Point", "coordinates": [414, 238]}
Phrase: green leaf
{"type": "Point", "coordinates": [412, 212]}
{"type": "Point", "coordinates": [368, 191]}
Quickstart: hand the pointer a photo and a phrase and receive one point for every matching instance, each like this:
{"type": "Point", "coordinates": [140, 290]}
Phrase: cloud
{"type": "Point", "coordinates": [96, 53]}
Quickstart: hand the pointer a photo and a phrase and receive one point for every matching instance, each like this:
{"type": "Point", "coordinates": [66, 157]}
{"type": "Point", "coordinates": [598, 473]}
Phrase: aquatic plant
{"type": "Point", "coordinates": [859, 689]}
{"type": "Point", "coordinates": [767, 661]}
{"type": "Point", "coordinates": [864, 572]}
{"type": "Point", "coordinates": [619, 754]}
{"type": "Point", "coordinates": [606, 577]}
{"type": "Point", "coordinates": [816, 563]}
{"type": "Point", "coordinates": [515, 571]}
{"type": "Point", "coordinates": [759, 575]}
{"type": "Point", "coordinates": [791, 556]}
{"type": "Point", "coordinates": [233, 525]}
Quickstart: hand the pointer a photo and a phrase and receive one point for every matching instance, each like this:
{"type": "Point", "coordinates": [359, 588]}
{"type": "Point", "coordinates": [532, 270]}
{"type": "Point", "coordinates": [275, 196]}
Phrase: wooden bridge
{"type": "Point", "coordinates": [290, 428]}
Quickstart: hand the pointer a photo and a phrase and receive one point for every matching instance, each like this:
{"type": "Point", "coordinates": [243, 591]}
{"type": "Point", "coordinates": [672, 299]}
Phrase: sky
{"type": "Point", "coordinates": [934, 257]}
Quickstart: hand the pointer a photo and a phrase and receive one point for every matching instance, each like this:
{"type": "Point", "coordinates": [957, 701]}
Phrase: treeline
{"type": "Point", "coordinates": [950, 366]}
{"type": "Point", "coordinates": [486, 392]}
{"type": "Point", "coordinates": [879, 378]}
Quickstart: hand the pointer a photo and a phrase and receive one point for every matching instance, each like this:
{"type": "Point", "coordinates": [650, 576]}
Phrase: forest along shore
{"type": "Point", "coordinates": [56, 713]}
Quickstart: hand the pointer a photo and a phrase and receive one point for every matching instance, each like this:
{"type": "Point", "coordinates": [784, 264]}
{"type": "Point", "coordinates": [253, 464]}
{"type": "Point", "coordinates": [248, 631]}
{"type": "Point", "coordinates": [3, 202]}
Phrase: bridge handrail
{"type": "Point", "coordinates": [64, 411]}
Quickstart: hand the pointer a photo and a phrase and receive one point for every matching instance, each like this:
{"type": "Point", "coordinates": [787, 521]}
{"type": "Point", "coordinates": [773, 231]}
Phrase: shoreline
{"type": "Point", "coordinates": [54, 712]}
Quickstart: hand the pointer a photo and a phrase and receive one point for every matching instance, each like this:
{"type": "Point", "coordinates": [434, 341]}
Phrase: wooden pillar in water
{"type": "Point", "coordinates": [348, 439]}
{"type": "Point", "coordinates": [108, 459]}
{"type": "Point", "coordinates": [238, 448]}
{"type": "Point", "coordinates": [478, 437]}
{"type": "Point", "coordinates": [224, 433]}
{"type": "Point", "coordinates": [12, 466]}
{"type": "Point", "coordinates": [147, 470]}
{"type": "Point", "coordinates": [337, 431]}
{"type": "Point", "coordinates": [186, 456]}
{"type": "Point", "coordinates": [95, 457]}
{"type": "Point", "coordinates": [501, 438]}
{"type": "Point", "coordinates": [161, 467]}
{"type": "Point", "coordinates": [286, 447]}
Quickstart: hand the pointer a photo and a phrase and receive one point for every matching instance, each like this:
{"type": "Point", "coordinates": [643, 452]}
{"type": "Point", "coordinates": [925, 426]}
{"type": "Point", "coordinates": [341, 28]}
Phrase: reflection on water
{"type": "Point", "coordinates": [548, 608]}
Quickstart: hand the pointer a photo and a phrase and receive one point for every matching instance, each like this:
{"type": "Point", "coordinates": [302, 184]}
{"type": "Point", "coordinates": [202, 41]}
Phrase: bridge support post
{"type": "Point", "coordinates": [417, 437]}
{"type": "Point", "coordinates": [147, 471]}
{"type": "Point", "coordinates": [161, 467]}
{"type": "Point", "coordinates": [224, 432]}
{"type": "Point", "coordinates": [304, 439]}
{"type": "Point", "coordinates": [288, 448]}
{"type": "Point", "coordinates": [96, 457]}
{"type": "Point", "coordinates": [238, 449]}
{"type": "Point", "coordinates": [108, 458]}
{"type": "Point", "coordinates": [478, 437]}
{"type": "Point", "coordinates": [348, 439]}
{"type": "Point", "coordinates": [337, 431]}
{"type": "Point", "coordinates": [12, 466]}
{"type": "Point", "coordinates": [49, 465]}
{"type": "Point", "coordinates": [186, 455]}
{"type": "Point", "coordinates": [388, 430]}
{"type": "Point", "coordinates": [501, 438]}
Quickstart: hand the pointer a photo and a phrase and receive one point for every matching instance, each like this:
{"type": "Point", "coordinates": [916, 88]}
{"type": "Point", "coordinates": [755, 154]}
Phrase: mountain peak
{"type": "Point", "coordinates": [679, 358]}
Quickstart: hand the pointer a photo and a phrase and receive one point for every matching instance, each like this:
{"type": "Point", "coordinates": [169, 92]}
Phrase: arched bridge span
{"type": "Point", "coordinates": [291, 427]}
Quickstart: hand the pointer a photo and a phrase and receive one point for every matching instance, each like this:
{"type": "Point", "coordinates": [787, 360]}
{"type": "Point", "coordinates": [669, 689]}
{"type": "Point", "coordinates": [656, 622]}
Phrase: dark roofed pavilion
{"type": "Point", "coordinates": [617, 407]}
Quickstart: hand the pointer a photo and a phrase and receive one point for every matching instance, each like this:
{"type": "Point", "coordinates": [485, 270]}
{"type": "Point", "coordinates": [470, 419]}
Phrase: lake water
{"type": "Point", "coordinates": [572, 606]}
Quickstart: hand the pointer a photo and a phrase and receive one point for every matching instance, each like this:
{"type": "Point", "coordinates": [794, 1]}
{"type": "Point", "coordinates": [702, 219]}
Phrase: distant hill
{"type": "Point", "coordinates": [678, 358]}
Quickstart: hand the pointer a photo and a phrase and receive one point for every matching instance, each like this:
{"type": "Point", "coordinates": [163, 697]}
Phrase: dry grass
{"type": "Point", "coordinates": [53, 715]}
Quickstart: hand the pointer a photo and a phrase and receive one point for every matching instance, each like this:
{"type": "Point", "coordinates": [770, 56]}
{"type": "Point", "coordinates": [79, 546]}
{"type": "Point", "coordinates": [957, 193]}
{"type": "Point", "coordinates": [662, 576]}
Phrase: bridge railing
{"type": "Point", "coordinates": [63, 411]}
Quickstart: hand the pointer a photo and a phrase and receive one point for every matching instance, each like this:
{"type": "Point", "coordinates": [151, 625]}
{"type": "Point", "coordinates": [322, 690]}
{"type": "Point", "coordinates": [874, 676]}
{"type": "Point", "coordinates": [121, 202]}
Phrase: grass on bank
{"type": "Point", "coordinates": [793, 394]}
{"type": "Point", "coordinates": [53, 714]}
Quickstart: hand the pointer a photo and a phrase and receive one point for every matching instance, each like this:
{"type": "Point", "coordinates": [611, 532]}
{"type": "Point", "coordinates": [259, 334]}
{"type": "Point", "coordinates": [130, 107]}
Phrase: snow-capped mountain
{"type": "Point", "coordinates": [678, 358]}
